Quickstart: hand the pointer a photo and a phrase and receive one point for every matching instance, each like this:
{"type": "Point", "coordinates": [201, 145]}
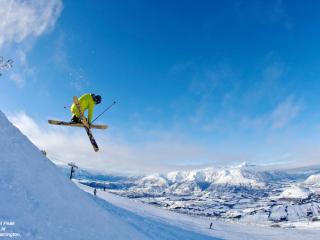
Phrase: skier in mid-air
{"type": "Point", "coordinates": [78, 108]}
{"type": "Point", "coordinates": [87, 102]}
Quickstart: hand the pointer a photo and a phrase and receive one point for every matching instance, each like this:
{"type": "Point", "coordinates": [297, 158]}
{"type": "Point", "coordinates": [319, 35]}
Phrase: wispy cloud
{"type": "Point", "coordinates": [206, 82]}
{"type": "Point", "coordinates": [165, 151]}
{"type": "Point", "coordinates": [268, 82]}
{"type": "Point", "coordinates": [18, 79]}
{"type": "Point", "coordinates": [285, 112]}
{"type": "Point", "coordinates": [162, 151]}
{"type": "Point", "coordinates": [22, 22]}
{"type": "Point", "coordinates": [212, 89]}
{"type": "Point", "coordinates": [24, 19]}
{"type": "Point", "coordinates": [279, 117]}
{"type": "Point", "coordinates": [22, 69]}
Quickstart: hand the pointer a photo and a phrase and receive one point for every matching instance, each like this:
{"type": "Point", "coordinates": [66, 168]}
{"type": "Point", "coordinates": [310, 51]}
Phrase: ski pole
{"type": "Point", "coordinates": [104, 111]}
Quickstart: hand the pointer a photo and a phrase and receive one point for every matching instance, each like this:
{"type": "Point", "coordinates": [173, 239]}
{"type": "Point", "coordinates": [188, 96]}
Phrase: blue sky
{"type": "Point", "coordinates": [197, 82]}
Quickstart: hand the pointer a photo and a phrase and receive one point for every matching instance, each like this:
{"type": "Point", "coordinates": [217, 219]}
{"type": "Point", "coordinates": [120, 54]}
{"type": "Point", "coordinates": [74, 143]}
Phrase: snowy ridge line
{"type": "Point", "coordinates": [244, 194]}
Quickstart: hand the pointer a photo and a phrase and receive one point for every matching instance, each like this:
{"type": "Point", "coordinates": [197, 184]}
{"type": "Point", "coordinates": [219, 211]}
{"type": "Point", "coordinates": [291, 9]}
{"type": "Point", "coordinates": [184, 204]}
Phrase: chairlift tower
{"type": "Point", "coordinates": [73, 168]}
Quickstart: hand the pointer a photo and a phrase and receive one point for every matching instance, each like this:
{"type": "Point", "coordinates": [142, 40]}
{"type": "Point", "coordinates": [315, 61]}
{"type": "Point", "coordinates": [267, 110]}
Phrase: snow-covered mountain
{"type": "Point", "coordinates": [313, 180]}
{"type": "Point", "coordinates": [233, 176]}
{"type": "Point", "coordinates": [208, 179]}
{"type": "Point", "coordinates": [244, 193]}
{"type": "Point", "coordinates": [295, 192]}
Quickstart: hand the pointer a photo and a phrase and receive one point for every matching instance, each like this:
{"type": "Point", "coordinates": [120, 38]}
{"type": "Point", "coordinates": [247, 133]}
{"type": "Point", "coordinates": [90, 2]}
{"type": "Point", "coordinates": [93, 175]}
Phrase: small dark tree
{"type": "Point", "coordinates": [73, 168]}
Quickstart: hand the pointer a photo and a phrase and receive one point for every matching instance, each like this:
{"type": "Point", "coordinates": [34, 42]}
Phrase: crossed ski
{"type": "Point", "coordinates": [84, 124]}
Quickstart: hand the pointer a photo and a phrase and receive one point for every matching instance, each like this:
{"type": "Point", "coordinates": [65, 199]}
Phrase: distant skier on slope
{"type": "Point", "coordinates": [87, 102]}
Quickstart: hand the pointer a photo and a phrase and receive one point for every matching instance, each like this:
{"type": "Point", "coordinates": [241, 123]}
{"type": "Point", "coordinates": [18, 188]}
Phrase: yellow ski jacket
{"type": "Point", "coordinates": [87, 103]}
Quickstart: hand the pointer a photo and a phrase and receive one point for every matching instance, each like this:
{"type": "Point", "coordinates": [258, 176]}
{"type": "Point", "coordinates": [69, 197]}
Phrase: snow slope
{"type": "Point", "coordinates": [157, 217]}
{"type": "Point", "coordinates": [44, 204]}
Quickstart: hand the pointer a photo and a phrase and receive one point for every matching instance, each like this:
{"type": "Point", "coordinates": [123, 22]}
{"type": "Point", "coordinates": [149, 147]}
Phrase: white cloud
{"type": "Point", "coordinates": [205, 83]}
{"type": "Point", "coordinates": [21, 69]}
{"type": "Point", "coordinates": [212, 90]}
{"type": "Point", "coordinates": [164, 152]}
{"type": "Point", "coordinates": [273, 73]}
{"type": "Point", "coordinates": [23, 19]}
{"type": "Point", "coordinates": [285, 112]}
{"type": "Point", "coordinates": [21, 23]}
{"type": "Point", "coordinates": [17, 78]}
{"type": "Point", "coordinates": [280, 116]}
